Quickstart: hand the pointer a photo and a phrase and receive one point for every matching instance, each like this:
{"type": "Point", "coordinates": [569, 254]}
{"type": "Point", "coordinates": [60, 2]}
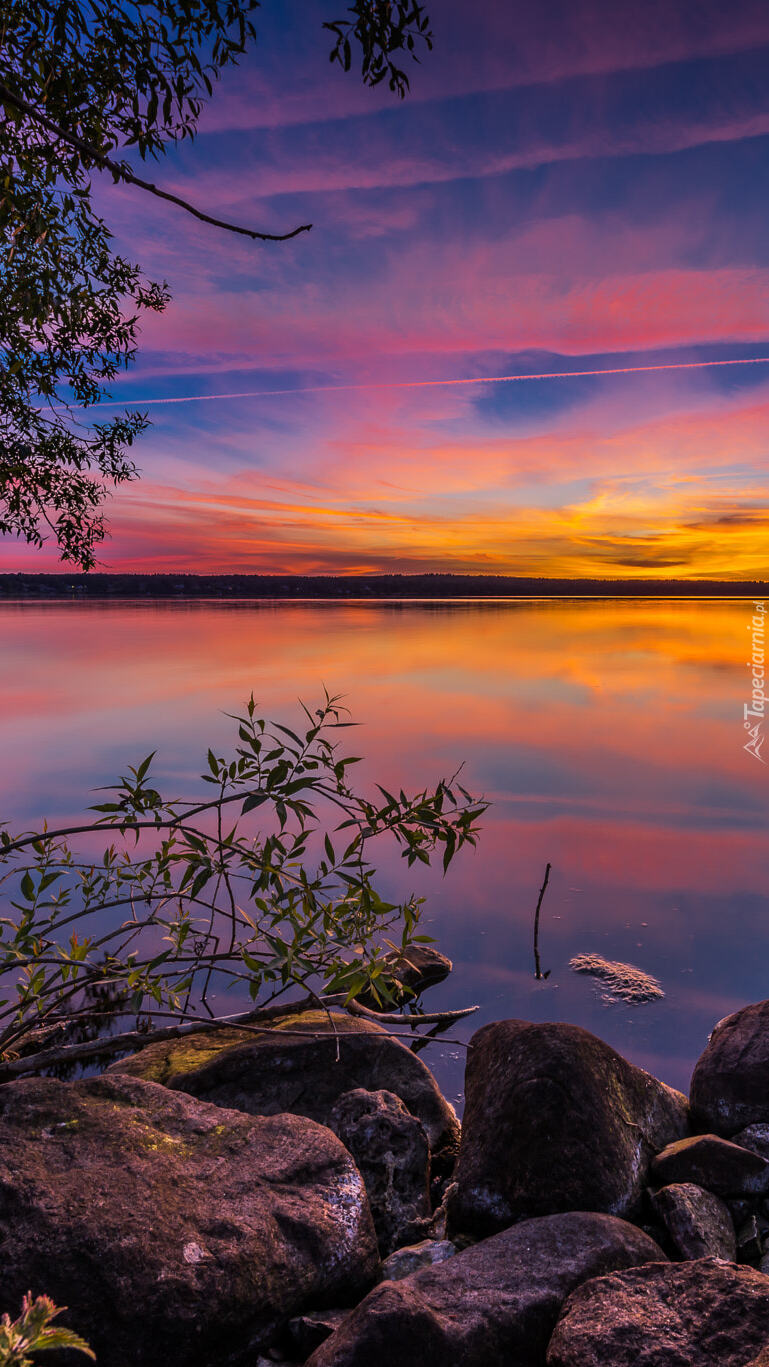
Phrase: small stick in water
{"type": "Point", "coordinates": [538, 974]}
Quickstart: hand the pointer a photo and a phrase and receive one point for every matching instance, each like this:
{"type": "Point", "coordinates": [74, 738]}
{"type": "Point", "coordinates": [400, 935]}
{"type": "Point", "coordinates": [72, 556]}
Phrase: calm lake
{"type": "Point", "coordinates": [607, 734]}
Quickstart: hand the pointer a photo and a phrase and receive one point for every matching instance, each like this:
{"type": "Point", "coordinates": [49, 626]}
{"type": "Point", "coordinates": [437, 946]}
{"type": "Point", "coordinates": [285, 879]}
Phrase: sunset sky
{"type": "Point", "coordinates": [569, 186]}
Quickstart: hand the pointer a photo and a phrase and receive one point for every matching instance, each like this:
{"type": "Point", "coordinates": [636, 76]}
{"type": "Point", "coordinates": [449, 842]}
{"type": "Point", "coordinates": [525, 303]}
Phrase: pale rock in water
{"type": "Point", "coordinates": [623, 982]}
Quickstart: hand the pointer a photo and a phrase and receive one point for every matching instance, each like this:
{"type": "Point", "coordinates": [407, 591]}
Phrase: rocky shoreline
{"type": "Point", "coordinates": [307, 1196]}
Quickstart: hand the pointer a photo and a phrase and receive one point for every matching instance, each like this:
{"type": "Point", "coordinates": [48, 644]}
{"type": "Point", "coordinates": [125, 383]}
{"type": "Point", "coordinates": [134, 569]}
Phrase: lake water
{"type": "Point", "coordinates": [607, 734]}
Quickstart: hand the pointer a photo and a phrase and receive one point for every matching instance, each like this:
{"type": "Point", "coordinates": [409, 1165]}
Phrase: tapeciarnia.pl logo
{"type": "Point", "coordinates": [754, 712]}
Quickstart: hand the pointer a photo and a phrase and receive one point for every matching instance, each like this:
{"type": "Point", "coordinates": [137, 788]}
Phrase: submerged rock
{"type": "Point", "coordinates": [422, 967]}
{"type": "Point", "coordinates": [713, 1163]}
{"type": "Point", "coordinates": [706, 1313]}
{"type": "Point", "coordinates": [494, 1303]}
{"type": "Point", "coordinates": [176, 1232]}
{"type": "Point", "coordinates": [301, 1064]}
{"type": "Point", "coordinates": [623, 982]}
{"type": "Point", "coordinates": [699, 1224]}
{"type": "Point", "coordinates": [730, 1082]}
{"type": "Point", "coordinates": [555, 1120]}
{"type": "Point", "coordinates": [391, 1150]}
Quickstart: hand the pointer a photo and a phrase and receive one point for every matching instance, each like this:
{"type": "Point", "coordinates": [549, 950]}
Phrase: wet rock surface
{"type": "Point", "coordinates": [698, 1224]}
{"type": "Point", "coordinates": [693, 1314]}
{"type": "Point", "coordinates": [555, 1120]}
{"type": "Point", "coordinates": [390, 1148]}
{"type": "Point", "coordinates": [176, 1232]}
{"type": "Point", "coordinates": [494, 1303]}
{"type": "Point", "coordinates": [730, 1082]}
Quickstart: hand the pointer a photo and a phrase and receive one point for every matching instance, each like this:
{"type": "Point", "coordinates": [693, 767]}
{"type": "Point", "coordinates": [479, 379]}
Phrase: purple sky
{"type": "Point", "coordinates": [568, 187]}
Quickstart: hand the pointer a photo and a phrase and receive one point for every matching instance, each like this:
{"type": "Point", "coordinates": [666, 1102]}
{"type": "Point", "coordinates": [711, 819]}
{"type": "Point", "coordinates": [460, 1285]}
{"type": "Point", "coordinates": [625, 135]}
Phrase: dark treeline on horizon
{"type": "Point", "coordinates": [94, 585]}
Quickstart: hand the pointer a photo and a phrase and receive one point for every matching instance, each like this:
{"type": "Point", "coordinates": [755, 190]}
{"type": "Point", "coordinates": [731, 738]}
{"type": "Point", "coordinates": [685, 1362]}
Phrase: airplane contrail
{"type": "Point", "coordinates": [428, 384]}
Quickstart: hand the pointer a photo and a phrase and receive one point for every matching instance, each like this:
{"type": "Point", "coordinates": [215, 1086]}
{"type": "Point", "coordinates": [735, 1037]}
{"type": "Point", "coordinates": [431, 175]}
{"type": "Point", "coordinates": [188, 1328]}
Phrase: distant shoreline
{"type": "Point", "coordinates": [380, 586]}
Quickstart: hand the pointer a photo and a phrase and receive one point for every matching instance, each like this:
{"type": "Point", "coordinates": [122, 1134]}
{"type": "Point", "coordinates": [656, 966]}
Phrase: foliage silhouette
{"type": "Point", "coordinates": [267, 886]}
{"type": "Point", "coordinates": [80, 80]}
{"type": "Point", "coordinates": [33, 1332]}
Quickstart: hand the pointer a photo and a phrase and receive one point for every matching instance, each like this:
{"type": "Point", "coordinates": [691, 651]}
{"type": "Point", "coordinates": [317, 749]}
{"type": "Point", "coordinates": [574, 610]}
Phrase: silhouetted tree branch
{"type": "Point", "coordinates": [120, 171]}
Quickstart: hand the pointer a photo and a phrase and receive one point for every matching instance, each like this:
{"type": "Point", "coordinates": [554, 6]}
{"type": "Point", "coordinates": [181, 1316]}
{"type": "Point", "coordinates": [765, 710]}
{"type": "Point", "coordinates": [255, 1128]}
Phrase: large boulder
{"type": "Point", "coordinates": [698, 1223]}
{"type": "Point", "coordinates": [730, 1082]}
{"type": "Point", "coordinates": [175, 1231]}
{"type": "Point", "coordinates": [555, 1120]}
{"type": "Point", "coordinates": [301, 1064]}
{"type": "Point", "coordinates": [713, 1163]}
{"type": "Point", "coordinates": [390, 1148]}
{"type": "Point", "coordinates": [696, 1314]}
{"type": "Point", "coordinates": [494, 1303]}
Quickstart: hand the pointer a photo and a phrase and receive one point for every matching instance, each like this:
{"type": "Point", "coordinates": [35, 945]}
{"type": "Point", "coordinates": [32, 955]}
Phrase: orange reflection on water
{"type": "Point", "coordinates": [608, 735]}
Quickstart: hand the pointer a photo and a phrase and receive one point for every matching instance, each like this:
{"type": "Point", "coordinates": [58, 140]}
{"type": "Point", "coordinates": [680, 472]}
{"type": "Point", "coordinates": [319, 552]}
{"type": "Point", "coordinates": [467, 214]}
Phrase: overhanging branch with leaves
{"type": "Point", "coordinates": [266, 887]}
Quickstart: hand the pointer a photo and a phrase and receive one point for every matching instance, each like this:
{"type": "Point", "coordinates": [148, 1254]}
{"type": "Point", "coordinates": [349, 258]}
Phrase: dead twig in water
{"type": "Point", "coordinates": [538, 974]}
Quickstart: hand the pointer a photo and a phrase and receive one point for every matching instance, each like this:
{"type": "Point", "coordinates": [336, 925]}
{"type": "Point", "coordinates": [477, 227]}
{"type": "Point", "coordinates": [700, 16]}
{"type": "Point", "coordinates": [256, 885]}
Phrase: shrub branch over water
{"type": "Point", "coordinates": [266, 886]}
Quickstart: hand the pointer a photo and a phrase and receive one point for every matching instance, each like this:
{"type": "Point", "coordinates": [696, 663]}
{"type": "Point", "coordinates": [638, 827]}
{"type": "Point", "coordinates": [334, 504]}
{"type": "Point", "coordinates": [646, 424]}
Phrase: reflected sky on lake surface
{"type": "Point", "coordinates": [608, 736]}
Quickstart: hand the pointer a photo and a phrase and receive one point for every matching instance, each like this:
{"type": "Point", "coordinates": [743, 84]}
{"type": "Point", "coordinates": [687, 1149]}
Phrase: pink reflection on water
{"type": "Point", "coordinates": [607, 733]}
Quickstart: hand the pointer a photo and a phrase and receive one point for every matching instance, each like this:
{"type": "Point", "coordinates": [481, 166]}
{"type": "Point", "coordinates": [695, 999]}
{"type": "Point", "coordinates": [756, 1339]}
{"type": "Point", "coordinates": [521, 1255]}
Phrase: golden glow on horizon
{"type": "Point", "coordinates": [621, 531]}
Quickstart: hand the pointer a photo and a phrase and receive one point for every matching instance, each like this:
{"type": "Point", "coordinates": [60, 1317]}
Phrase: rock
{"type": "Point", "coordinates": [739, 1208]}
{"type": "Point", "coordinates": [176, 1232]}
{"type": "Point", "coordinates": [695, 1314]}
{"type": "Point", "coordinates": [494, 1303]}
{"type": "Point", "coordinates": [755, 1138]}
{"type": "Point", "coordinates": [698, 1223]}
{"type": "Point", "coordinates": [622, 982]}
{"type": "Point", "coordinates": [421, 968]}
{"type": "Point", "coordinates": [293, 1067]}
{"type": "Point", "coordinates": [390, 1148]}
{"type": "Point", "coordinates": [307, 1332]}
{"type": "Point", "coordinates": [762, 1360]}
{"type": "Point", "coordinates": [730, 1083]}
{"type": "Point", "coordinates": [407, 1260]}
{"type": "Point", "coordinates": [555, 1120]}
{"type": "Point", "coordinates": [713, 1163]}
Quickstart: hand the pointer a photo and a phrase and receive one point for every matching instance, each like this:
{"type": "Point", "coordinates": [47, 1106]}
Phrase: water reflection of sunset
{"type": "Point", "coordinates": [608, 735]}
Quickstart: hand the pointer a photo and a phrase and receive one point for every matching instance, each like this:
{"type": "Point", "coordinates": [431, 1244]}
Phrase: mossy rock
{"type": "Point", "coordinates": [302, 1064]}
{"type": "Point", "coordinates": [176, 1232]}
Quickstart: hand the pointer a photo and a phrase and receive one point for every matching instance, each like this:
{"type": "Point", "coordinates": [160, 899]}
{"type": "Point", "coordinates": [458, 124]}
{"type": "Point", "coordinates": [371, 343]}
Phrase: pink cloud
{"type": "Point", "coordinates": [476, 301]}
{"type": "Point", "coordinates": [493, 47]}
